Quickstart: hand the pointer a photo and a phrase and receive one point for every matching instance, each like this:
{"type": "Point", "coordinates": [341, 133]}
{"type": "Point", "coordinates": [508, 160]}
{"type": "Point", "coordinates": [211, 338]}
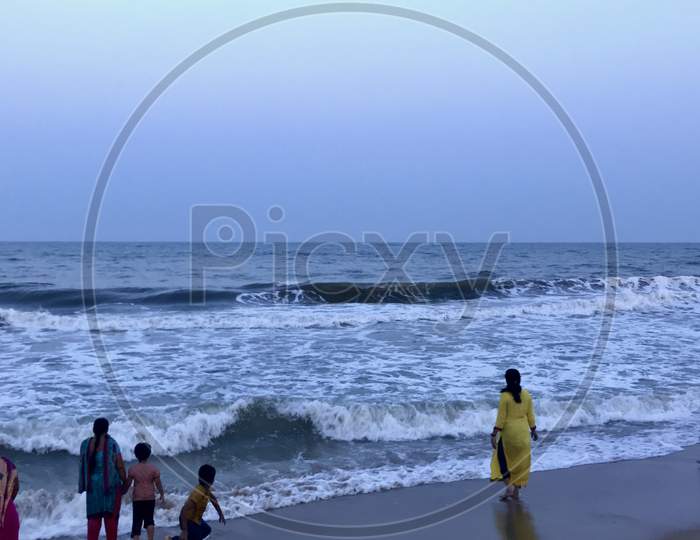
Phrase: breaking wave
{"type": "Point", "coordinates": [174, 433]}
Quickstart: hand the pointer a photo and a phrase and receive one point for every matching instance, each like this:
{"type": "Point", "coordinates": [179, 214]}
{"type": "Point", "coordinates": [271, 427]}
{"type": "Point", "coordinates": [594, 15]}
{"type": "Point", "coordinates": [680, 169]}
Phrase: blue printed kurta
{"type": "Point", "coordinates": [100, 501]}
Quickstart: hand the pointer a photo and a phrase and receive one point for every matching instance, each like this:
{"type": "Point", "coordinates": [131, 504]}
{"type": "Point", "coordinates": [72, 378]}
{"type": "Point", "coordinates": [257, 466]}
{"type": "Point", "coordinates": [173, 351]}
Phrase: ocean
{"type": "Point", "coordinates": [344, 382]}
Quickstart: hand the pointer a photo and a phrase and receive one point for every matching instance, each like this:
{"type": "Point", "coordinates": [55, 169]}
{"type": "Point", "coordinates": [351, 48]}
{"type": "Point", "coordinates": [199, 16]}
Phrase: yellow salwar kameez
{"type": "Point", "coordinates": [511, 458]}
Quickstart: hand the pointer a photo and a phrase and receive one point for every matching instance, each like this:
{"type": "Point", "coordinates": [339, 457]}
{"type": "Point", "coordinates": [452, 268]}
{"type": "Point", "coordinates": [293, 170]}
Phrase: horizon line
{"type": "Point", "coordinates": [390, 241]}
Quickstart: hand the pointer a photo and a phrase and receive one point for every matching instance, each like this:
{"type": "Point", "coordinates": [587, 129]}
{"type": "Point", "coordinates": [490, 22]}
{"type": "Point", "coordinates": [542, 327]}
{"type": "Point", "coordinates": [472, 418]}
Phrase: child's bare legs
{"type": "Point", "coordinates": [151, 530]}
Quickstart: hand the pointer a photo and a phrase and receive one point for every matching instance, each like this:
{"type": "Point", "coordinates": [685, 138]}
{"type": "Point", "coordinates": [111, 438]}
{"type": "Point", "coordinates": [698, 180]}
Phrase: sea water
{"type": "Point", "coordinates": [297, 392]}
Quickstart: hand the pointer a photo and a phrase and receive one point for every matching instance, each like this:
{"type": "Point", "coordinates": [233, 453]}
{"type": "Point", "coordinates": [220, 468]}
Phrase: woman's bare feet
{"type": "Point", "coordinates": [511, 492]}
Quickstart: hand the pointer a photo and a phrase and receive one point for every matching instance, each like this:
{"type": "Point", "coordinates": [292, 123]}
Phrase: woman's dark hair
{"type": "Point", "coordinates": [142, 451]}
{"type": "Point", "coordinates": [99, 428]}
{"type": "Point", "coordinates": [513, 384]}
{"type": "Point", "coordinates": [207, 473]}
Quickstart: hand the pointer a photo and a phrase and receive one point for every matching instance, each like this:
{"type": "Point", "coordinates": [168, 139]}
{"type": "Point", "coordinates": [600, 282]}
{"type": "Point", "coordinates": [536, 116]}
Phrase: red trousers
{"type": "Point", "coordinates": [111, 522]}
{"type": "Point", "coordinates": [10, 529]}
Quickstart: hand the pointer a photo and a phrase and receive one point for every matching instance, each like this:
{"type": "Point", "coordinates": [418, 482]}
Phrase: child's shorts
{"type": "Point", "coordinates": [143, 516]}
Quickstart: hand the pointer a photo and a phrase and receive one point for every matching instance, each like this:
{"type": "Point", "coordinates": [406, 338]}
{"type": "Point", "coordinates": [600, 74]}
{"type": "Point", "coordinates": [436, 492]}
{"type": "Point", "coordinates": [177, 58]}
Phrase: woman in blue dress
{"type": "Point", "coordinates": [102, 476]}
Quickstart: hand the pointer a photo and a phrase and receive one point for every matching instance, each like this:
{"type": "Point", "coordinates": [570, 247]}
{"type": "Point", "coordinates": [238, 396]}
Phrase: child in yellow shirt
{"type": "Point", "coordinates": [192, 526]}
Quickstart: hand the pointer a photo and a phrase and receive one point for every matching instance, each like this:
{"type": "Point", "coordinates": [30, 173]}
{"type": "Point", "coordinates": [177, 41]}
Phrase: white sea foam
{"type": "Point", "coordinates": [415, 422]}
{"type": "Point", "coordinates": [267, 317]}
{"type": "Point", "coordinates": [170, 434]}
{"type": "Point", "coordinates": [47, 515]}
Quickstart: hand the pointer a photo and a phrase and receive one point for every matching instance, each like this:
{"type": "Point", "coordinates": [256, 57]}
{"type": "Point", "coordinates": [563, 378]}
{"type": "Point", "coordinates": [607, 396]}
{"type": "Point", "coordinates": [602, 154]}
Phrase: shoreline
{"type": "Point", "coordinates": [653, 498]}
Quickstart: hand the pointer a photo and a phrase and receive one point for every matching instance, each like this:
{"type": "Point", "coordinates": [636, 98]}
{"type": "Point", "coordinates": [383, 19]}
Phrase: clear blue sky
{"type": "Point", "coordinates": [351, 122]}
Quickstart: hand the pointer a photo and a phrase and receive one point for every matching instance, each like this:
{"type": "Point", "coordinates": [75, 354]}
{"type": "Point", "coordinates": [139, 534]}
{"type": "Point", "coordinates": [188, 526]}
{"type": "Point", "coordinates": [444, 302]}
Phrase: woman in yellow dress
{"type": "Point", "coordinates": [510, 439]}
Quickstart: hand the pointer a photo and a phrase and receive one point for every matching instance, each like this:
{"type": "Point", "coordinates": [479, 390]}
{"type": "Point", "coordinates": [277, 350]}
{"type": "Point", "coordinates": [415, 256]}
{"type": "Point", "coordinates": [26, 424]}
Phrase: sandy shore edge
{"type": "Point", "coordinates": [655, 498]}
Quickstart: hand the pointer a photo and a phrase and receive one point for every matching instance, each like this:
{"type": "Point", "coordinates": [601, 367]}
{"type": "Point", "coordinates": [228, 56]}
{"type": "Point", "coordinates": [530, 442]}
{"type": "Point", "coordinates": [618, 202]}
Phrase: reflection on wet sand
{"type": "Point", "coordinates": [514, 521]}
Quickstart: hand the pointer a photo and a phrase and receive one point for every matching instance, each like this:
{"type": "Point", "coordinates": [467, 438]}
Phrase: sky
{"type": "Point", "coordinates": [351, 122]}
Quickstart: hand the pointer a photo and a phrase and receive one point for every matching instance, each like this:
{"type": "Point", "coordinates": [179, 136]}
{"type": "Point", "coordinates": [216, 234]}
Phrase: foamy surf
{"type": "Point", "coordinates": [49, 515]}
{"type": "Point", "coordinates": [172, 434]}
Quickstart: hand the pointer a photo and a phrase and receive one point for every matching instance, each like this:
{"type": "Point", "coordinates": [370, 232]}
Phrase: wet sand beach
{"type": "Point", "coordinates": [656, 499]}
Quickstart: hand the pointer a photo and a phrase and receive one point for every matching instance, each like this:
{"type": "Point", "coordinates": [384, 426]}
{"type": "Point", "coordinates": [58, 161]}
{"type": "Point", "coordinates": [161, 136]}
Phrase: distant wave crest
{"type": "Point", "coordinates": [557, 298]}
{"type": "Point", "coordinates": [40, 295]}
